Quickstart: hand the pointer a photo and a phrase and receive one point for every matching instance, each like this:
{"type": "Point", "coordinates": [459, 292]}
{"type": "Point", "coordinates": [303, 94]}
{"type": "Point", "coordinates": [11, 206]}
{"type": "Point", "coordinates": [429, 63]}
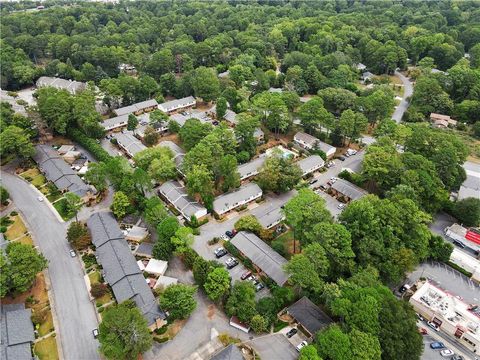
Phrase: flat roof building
{"type": "Point", "coordinates": [175, 194]}
{"type": "Point", "coordinates": [129, 143]}
{"type": "Point", "coordinates": [241, 196]}
{"type": "Point", "coordinates": [73, 87]}
{"type": "Point", "coordinates": [310, 164]}
{"type": "Point", "coordinates": [262, 256]}
{"type": "Point", "coordinates": [120, 269]}
{"type": "Point", "coordinates": [16, 330]}
{"type": "Point", "coordinates": [178, 104]}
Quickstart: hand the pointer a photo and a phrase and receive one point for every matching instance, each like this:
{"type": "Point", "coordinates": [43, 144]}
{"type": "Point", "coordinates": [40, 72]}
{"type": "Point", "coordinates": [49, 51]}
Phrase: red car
{"type": "Point", "coordinates": [422, 331]}
{"type": "Point", "coordinates": [246, 275]}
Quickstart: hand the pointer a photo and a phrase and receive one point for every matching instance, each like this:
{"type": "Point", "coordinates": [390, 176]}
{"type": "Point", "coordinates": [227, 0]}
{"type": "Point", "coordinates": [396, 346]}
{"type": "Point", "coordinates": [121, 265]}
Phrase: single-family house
{"type": "Point", "coordinates": [231, 352]}
{"type": "Point", "coordinates": [137, 108]}
{"type": "Point", "coordinates": [175, 194]}
{"type": "Point", "coordinates": [61, 174]}
{"type": "Point", "coordinates": [259, 135]}
{"type": "Point", "coordinates": [236, 198]}
{"type": "Point", "coordinates": [73, 87]}
{"type": "Point", "coordinates": [309, 316]}
{"type": "Point", "coordinates": [129, 143]}
{"type": "Point", "coordinates": [310, 164]}
{"type": "Point", "coordinates": [263, 257]}
{"type": "Point", "coordinates": [442, 121]}
{"type": "Point", "coordinates": [17, 334]}
{"type": "Point", "coordinates": [310, 142]}
{"type": "Point", "coordinates": [347, 190]}
{"type": "Point", "coordinates": [120, 269]}
{"type": "Point", "coordinates": [116, 122]}
{"type": "Point", "coordinates": [367, 76]}
{"type": "Point", "coordinates": [361, 67]}
{"type": "Point", "coordinates": [179, 104]}
{"type": "Point", "coordinates": [251, 168]}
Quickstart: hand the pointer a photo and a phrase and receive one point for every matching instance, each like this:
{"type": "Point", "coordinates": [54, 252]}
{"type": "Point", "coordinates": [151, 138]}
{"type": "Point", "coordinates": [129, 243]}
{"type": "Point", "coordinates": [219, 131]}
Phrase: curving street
{"type": "Point", "coordinates": [407, 92]}
{"type": "Point", "coordinates": [72, 305]}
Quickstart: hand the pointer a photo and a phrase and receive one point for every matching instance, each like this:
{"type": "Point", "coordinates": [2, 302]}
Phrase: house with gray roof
{"type": "Point", "coordinates": [347, 190]}
{"type": "Point", "coordinates": [241, 196]}
{"type": "Point", "coordinates": [269, 217]}
{"type": "Point", "coordinates": [129, 143]}
{"type": "Point", "coordinates": [73, 87]}
{"type": "Point", "coordinates": [231, 352]}
{"type": "Point", "coordinates": [309, 316]}
{"type": "Point", "coordinates": [310, 142]}
{"type": "Point", "coordinates": [137, 108]}
{"type": "Point", "coordinates": [175, 194]}
{"type": "Point", "coordinates": [262, 256]}
{"type": "Point", "coordinates": [310, 164]}
{"type": "Point", "coordinates": [251, 168]}
{"type": "Point", "coordinates": [120, 269]}
{"type": "Point", "coordinates": [56, 170]}
{"type": "Point", "coordinates": [16, 330]}
{"type": "Point", "coordinates": [178, 104]}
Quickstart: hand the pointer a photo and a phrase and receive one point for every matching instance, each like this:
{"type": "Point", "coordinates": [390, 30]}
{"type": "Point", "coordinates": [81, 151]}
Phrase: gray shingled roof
{"type": "Point", "coordinates": [145, 249]}
{"type": "Point", "coordinates": [57, 171]}
{"type": "Point", "coordinates": [348, 189]}
{"type": "Point", "coordinates": [177, 104]}
{"type": "Point", "coordinates": [309, 315]}
{"type": "Point", "coordinates": [136, 107]}
{"type": "Point", "coordinates": [178, 197]}
{"type": "Point", "coordinates": [269, 217]}
{"type": "Point", "coordinates": [69, 85]}
{"type": "Point", "coordinates": [225, 202]}
{"type": "Point", "coordinates": [251, 168]}
{"type": "Point", "coordinates": [115, 122]}
{"type": "Point", "coordinates": [312, 142]}
{"type": "Point", "coordinates": [262, 255]}
{"type": "Point", "coordinates": [119, 266]}
{"type": "Point", "coordinates": [310, 164]}
{"type": "Point", "coordinates": [231, 352]}
{"type": "Point", "coordinates": [16, 330]}
{"type": "Point", "coordinates": [129, 142]}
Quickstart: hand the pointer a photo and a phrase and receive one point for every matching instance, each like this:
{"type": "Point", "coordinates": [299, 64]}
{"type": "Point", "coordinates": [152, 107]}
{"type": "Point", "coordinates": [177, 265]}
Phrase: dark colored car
{"type": "Point", "coordinates": [220, 252]}
{"type": "Point", "coordinates": [215, 123]}
{"type": "Point", "coordinates": [311, 182]}
{"type": "Point", "coordinates": [291, 332]}
{"type": "Point", "coordinates": [231, 234]}
{"type": "Point", "coordinates": [458, 243]}
{"type": "Point", "coordinates": [437, 345]}
{"type": "Point", "coordinates": [342, 158]}
{"type": "Point", "coordinates": [246, 275]}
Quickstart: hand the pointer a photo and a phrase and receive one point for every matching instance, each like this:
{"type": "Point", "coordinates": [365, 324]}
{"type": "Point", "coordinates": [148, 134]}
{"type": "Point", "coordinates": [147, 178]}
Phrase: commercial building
{"type": "Point", "coordinates": [241, 196]}
{"type": "Point", "coordinates": [467, 237]}
{"type": "Point", "coordinates": [449, 313]}
{"type": "Point", "coordinates": [310, 164]}
{"type": "Point", "coordinates": [16, 330]}
{"type": "Point", "coordinates": [346, 190]}
{"type": "Point", "coordinates": [179, 104]}
{"type": "Point", "coordinates": [251, 168]}
{"type": "Point", "coordinates": [56, 170]}
{"type": "Point", "coordinates": [175, 194]}
{"type": "Point", "coordinates": [309, 316]}
{"type": "Point", "coordinates": [310, 142]}
{"type": "Point", "coordinates": [73, 87]}
{"type": "Point", "coordinates": [129, 143]}
{"type": "Point", "coordinates": [138, 108]}
{"type": "Point", "coordinates": [120, 270]}
{"type": "Point", "coordinates": [263, 257]}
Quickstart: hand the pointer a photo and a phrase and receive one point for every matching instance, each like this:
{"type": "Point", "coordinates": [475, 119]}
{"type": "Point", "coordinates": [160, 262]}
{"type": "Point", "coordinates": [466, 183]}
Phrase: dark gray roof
{"type": "Point", "coordinates": [231, 352]}
{"type": "Point", "coordinates": [251, 168]}
{"type": "Point", "coordinates": [59, 172]}
{"type": "Point", "coordinates": [136, 107]}
{"type": "Point", "coordinates": [261, 255]}
{"type": "Point", "coordinates": [309, 315]}
{"type": "Point", "coordinates": [145, 249]}
{"type": "Point", "coordinates": [129, 142]}
{"type": "Point", "coordinates": [176, 194]}
{"type": "Point", "coordinates": [119, 266]}
{"type": "Point", "coordinates": [16, 332]}
{"type": "Point", "coordinates": [348, 189]}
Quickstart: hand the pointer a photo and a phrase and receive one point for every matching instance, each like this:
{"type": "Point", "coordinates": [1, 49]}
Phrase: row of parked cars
{"type": "Point", "coordinates": [437, 345]}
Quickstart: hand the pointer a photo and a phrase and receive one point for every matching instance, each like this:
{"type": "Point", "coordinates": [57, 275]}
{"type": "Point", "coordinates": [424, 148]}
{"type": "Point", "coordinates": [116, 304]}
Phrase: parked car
{"type": "Point", "coordinates": [422, 331]}
{"type": "Point", "coordinates": [341, 158]}
{"type": "Point", "coordinates": [231, 234]}
{"type": "Point", "coordinates": [311, 182]}
{"type": "Point", "coordinates": [231, 263]}
{"type": "Point", "coordinates": [351, 152]}
{"type": "Point", "coordinates": [259, 287]}
{"type": "Point", "coordinates": [446, 352]}
{"type": "Point", "coordinates": [403, 288]}
{"type": "Point", "coordinates": [219, 252]}
{"type": "Point", "coordinates": [433, 326]}
{"type": "Point", "coordinates": [437, 345]}
{"type": "Point", "coordinates": [95, 333]}
{"type": "Point", "coordinates": [301, 345]}
{"type": "Point", "coordinates": [333, 179]}
{"type": "Point", "coordinates": [341, 206]}
{"type": "Point", "coordinates": [246, 275]}
{"type": "Point", "coordinates": [225, 237]}
{"type": "Point", "coordinates": [73, 253]}
{"type": "Point", "coordinates": [457, 357]}
{"type": "Point", "coordinates": [215, 123]}
{"type": "Point", "coordinates": [291, 332]}
{"type": "Point", "coordinates": [330, 164]}
{"type": "Point", "coordinates": [40, 198]}
{"type": "Point", "coordinates": [420, 317]}
{"type": "Point", "coordinates": [458, 243]}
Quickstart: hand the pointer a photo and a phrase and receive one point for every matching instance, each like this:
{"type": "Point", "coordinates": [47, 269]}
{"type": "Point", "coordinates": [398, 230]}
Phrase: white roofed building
{"type": "Point", "coordinates": [236, 198]}
{"type": "Point", "coordinates": [179, 104]}
{"type": "Point", "coordinates": [310, 164]}
{"type": "Point", "coordinates": [138, 108]}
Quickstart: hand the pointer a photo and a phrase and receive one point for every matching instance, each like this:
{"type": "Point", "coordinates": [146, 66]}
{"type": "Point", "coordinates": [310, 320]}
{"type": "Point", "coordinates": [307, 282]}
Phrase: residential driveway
{"type": "Point", "coordinates": [407, 92]}
{"type": "Point", "coordinates": [448, 279]}
{"type": "Point", "coordinates": [274, 346]}
{"type": "Point", "coordinates": [73, 309]}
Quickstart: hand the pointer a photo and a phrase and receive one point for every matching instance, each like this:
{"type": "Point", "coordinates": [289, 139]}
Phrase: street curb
{"type": "Point", "coordinates": [58, 335]}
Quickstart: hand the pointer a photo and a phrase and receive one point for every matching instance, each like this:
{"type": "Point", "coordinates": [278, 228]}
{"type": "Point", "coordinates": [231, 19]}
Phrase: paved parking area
{"type": "Point", "coordinates": [449, 342]}
{"type": "Point", "coordinates": [274, 347]}
{"type": "Point", "coordinates": [295, 339]}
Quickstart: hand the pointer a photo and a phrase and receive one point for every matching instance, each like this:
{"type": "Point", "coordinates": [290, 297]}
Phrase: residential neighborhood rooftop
{"type": "Point", "coordinates": [71, 86]}
{"type": "Point", "coordinates": [230, 200]}
{"type": "Point", "coordinates": [177, 104]}
{"type": "Point", "coordinates": [310, 164]}
{"type": "Point", "coordinates": [348, 189]}
{"type": "Point", "coordinates": [251, 168]}
{"type": "Point", "coordinates": [140, 106]}
{"type": "Point", "coordinates": [309, 315]}
{"type": "Point", "coordinates": [231, 352]}
{"type": "Point", "coordinates": [16, 330]}
{"type": "Point", "coordinates": [129, 142]}
{"type": "Point", "coordinates": [262, 255]}
{"type": "Point", "coordinates": [176, 194]}
{"type": "Point", "coordinates": [269, 217]}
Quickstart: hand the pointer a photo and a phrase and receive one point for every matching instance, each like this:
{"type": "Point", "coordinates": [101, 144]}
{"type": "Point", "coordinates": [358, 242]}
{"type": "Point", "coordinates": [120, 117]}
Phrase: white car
{"type": "Point", "coordinates": [341, 206]}
{"type": "Point", "coordinates": [73, 253]}
{"type": "Point", "coordinates": [433, 326]}
{"type": "Point", "coordinates": [302, 345]}
{"type": "Point", "coordinates": [446, 352]}
{"type": "Point", "coordinates": [40, 198]}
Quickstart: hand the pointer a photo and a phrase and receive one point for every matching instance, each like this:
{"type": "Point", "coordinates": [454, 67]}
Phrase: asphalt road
{"type": "Point", "coordinates": [74, 311]}
{"type": "Point", "coordinates": [407, 92]}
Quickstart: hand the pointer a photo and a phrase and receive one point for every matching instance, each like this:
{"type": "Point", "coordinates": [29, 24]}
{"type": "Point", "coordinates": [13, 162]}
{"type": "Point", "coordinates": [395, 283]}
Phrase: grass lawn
{"type": "Point", "coordinates": [26, 240]}
{"type": "Point", "coordinates": [94, 277]}
{"type": "Point", "coordinates": [39, 180]}
{"type": "Point", "coordinates": [46, 349]}
{"type": "Point", "coordinates": [46, 326]}
{"type": "Point", "coordinates": [31, 173]}
{"type": "Point", "coordinates": [287, 240]}
{"type": "Point", "coordinates": [53, 197]}
{"type": "Point", "coordinates": [17, 229]}
{"type": "Point", "coordinates": [60, 206]}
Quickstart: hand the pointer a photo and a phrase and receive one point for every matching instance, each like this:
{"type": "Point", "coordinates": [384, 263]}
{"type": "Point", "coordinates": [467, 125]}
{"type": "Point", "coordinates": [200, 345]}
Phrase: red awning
{"type": "Point", "coordinates": [472, 236]}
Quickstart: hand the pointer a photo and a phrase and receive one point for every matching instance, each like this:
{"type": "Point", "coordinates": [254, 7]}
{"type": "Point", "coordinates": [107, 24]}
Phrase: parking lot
{"type": "Point", "coordinates": [450, 343]}
{"type": "Point", "coordinates": [296, 339]}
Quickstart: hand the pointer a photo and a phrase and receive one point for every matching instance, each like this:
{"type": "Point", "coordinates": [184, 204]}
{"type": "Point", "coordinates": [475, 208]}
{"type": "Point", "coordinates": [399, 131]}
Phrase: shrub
{"type": "Point", "coordinates": [3, 229]}
{"type": "Point", "coordinates": [213, 241]}
{"type": "Point", "coordinates": [39, 316]}
{"type": "Point", "coordinates": [13, 213]}
{"type": "Point", "coordinates": [98, 290]}
{"type": "Point", "coordinates": [189, 257]}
